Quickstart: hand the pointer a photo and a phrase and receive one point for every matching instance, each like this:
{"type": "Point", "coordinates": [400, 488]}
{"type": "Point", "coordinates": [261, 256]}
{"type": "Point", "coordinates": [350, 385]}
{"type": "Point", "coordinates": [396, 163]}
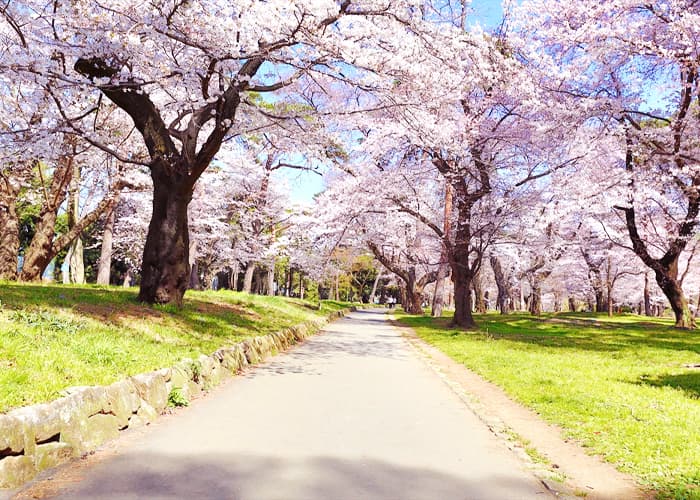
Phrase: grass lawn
{"type": "Point", "coordinates": [622, 386]}
{"type": "Point", "coordinates": [57, 336]}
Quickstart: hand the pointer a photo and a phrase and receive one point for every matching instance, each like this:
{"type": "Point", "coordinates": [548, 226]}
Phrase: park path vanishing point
{"type": "Point", "coordinates": [352, 413]}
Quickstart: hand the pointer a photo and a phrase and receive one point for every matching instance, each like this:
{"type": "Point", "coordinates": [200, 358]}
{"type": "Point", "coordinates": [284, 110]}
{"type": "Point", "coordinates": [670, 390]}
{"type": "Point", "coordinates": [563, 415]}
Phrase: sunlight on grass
{"type": "Point", "coordinates": [54, 337]}
{"type": "Point", "coordinates": [621, 386]}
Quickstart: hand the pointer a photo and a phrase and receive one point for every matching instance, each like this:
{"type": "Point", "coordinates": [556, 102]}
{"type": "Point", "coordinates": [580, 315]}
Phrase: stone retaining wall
{"type": "Point", "coordinates": [34, 438]}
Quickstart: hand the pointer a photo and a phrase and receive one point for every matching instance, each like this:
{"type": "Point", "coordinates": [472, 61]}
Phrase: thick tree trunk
{"type": "Point", "coordinates": [536, 299]}
{"type": "Point", "coordinates": [165, 269]}
{"type": "Point", "coordinates": [479, 302]}
{"type": "Point", "coordinates": [248, 277]}
{"type": "Point", "coordinates": [413, 297]}
{"type": "Point", "coordinates": [9, 230]}
{"type": "Point", "coordinates": [674, 293]}
{"type": "Point", "coordinates": [572, 304]}
{"type": "Point", "coordinates": [38, 255]}
{"type": "Point", "coordinates": [195, 283]}
{"type": "Point", "coordinates": [610, 301]}
{"type": "Point", "coordinates": [104, 266]}
{"type": "Point", "coordinates": [503, 298]}
{"type": "Point", "coordinates": [463, 304]}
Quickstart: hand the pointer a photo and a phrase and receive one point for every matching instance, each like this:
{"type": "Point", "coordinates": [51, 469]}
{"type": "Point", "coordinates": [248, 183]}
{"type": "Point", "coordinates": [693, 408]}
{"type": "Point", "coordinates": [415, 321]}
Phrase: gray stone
{"type": "Point", "coordinates": [52, 454]}
{"type": "Point", "coordinates": [147, 413]}
{"type": "Point", "coordinates": [100, 429]}
{"type": "Point", "coordinates": [11, 434]}
{"type": "Point", "coordinates": [15, 471]}
{"type": "Point", "coordinates": [121, 400]}
{"type": "Point", "coordinates": [151, 388]}
{"type": "Point", "coordinates": [251, 352]}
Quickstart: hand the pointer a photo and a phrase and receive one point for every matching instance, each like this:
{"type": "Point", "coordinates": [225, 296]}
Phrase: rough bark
{"type": "Point", "coordinates": [503, 298]}
{"type": "Point", "coordinates": [647, 296]}
{"type": "Point", "coordinates": [76, 261]}
{"type": "Point", "coordinates": [9, 228]}
{"type": "Point", "coordinates": [165, 268]}
{"type": "Point", "coordinates": [104, 265]}
{"type": "Point", "coordinates": [444, 267]}
{"type": "Point", "coordinates": [271, 279]}
{"type": "Point", "coordinates": [248, 277]}
{"type": "Point", "coordinates": [479, 301]}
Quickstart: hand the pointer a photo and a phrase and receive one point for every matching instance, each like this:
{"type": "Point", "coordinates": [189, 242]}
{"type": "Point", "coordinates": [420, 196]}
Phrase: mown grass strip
{"type": "Point", "coordinates": [53, 337]}
{"type": "Point", "coordinates": [625, 387]}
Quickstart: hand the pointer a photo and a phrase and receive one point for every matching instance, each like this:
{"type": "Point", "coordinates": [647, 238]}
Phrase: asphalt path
{"type": "Point", "coordinates": [352, 413]}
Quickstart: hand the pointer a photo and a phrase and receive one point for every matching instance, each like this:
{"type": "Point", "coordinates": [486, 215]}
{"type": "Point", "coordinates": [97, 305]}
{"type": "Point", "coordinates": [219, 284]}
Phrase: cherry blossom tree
{"type": "Point", "coordinates": [630, 69]}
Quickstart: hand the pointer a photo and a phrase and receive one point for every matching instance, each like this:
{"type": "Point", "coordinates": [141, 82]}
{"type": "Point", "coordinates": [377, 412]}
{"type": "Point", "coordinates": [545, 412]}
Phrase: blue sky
{"type": "Point", "coordinates": [304, 185]}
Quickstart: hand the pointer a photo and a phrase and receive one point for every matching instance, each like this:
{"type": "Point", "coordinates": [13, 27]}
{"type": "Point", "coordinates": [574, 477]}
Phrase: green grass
{"type": "Point", "coordinates": [54, 337]}
{"type": "Point", "coordinates": [620, 386]}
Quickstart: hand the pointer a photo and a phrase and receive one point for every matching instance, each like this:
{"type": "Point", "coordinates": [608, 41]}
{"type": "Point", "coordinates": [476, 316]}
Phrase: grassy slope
{"type": "Point", "coordinates": [53, 337]}
{"type": "Point", "coordinates": [617, 385]}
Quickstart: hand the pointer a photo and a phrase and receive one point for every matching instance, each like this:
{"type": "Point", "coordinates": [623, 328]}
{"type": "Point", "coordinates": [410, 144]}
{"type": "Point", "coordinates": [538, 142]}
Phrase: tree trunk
{"type": "Point", "coordinates": [65, 268]}
{"type": "Point", "coordinates": [412, 298]}
{"type": "Point", "coordinates": [502, 300]}
{"type": "Point", "coordinates": [126, 282]}
{"type": "Point", "coordinates": [39, 252]}
{"type": "Point", "coordinates": [104, 266]}
{"type": "Point", "coordinates": [271, 279]}
{"type": "Point", "coordinates": [647, 296]}
{"type": "Point", "coordinates": [669, 285]}
{"type": "Point", "coordinates": [76, 262]}
{"type": "Point", "coordinates": [165, 269]}
{"type": "Point", "coordinates": [234, 276]}
{"type": "Point", "coordinates": [572, 304]}
{"type": "Point", "coordinates": [301, 285]}
{"type": "Point", "coordinates": [463, 303]}
{"type": "Point", "coordinates": [536, 299]}
{"type": "Point", "coordinates": [248, 277]}
{"type": "Point", "coordinates": [373, 295]}
{"type": "Point", "coordinates": [443, 269]}
{"type": "Point", "coordinates": [479, 303]}
{"type": "Point", "coordinates": [9, 230]}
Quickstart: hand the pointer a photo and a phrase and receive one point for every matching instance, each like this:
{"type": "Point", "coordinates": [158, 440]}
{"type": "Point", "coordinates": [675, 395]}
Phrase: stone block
{"type": "Point", "coordinates": [11, 434]}
{"type": "Point", "coordinates": [251, 352]}
{"type": "Point", "coordinates": [100, 429]}
{"type": "Point", "coordinates": [52, 454]}
{"type": "Point", "coordinates": [15, 471]}
{"type": "Point", "coordinates": [151, 388]}
{"type": "Point", "coordinates": [147, 413]}
{"type": "Point", "coordinates": [121, 400]}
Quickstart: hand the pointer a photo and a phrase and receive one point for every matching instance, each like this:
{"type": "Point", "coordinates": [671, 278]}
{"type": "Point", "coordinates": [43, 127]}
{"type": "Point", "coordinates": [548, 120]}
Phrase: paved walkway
{"type": "Point", "coordinates": [349, 414]}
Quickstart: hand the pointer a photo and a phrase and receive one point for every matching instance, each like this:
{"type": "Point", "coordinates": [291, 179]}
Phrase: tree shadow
{"type": "Point", "coordinates": [590, 335]}
{"type": "Point", "coordinates": [687, 382]}
{"type": "Point", "coordinates": [249, 477]}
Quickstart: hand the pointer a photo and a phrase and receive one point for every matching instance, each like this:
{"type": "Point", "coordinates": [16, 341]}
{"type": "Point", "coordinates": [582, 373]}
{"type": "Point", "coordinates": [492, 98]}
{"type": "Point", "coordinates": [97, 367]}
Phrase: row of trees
{"type": "Point", "coordinates": [558, 141]}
